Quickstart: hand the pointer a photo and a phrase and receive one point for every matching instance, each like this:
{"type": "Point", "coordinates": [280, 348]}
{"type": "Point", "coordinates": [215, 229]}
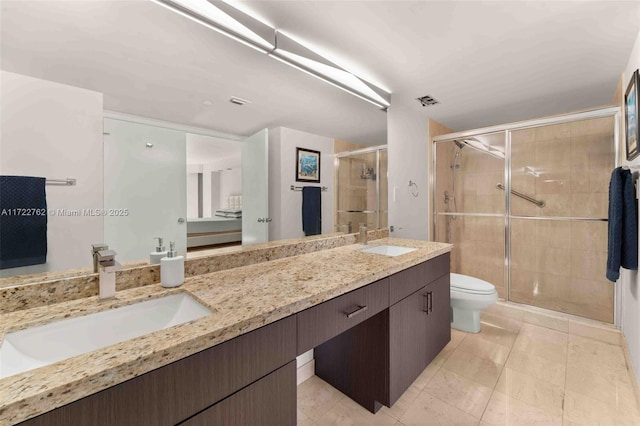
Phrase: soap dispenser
{"type": "Point", "coordinates": [156, 256]}
{"type": "Point", "coordinates": [172, 268]}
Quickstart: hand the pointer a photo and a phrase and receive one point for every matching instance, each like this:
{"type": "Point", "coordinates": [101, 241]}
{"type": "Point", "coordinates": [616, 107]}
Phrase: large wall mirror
{"type": "Point", "coordinates": [131, 101]}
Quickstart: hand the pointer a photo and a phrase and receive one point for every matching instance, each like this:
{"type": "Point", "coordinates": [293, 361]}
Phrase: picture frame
{"type": "Point", "coordinates": [631, 117]}
{"type": "Point", "coordinates": [307, 165]}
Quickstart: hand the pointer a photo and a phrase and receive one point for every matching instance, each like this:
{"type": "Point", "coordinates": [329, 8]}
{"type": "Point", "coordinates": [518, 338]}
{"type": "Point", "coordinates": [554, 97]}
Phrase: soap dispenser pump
{"type": "Point", "coordinates": [172, 268]}
{"type": "Point", "coordinates": [156, 256]}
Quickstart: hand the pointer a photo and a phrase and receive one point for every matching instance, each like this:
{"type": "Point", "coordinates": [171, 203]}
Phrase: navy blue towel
{"type": "Point", "coordinates": [311, 210]}
{"type": "Point", "coordinates": [623, 224]}
{"type": "Point", "coordinates": [23, 221]}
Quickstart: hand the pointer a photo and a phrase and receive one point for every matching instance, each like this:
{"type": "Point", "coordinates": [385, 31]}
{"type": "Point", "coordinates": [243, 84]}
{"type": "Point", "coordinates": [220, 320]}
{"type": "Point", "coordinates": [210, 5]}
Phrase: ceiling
{"type": "Point", "coordinates": [486, 62]}
{"type": "Point", "coordinates": [206, 150]}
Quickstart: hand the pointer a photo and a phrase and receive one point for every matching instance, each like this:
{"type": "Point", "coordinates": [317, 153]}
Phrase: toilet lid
{"type": "Point", "coordinates": [469, 284]}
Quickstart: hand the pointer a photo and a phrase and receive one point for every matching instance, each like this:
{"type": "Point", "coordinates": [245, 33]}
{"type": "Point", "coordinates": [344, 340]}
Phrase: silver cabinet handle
{"type": "Point", "coordinates": [264, 219]}
{"type": "Point", "coordinates": [358, 309]}
{"type": "Point", "coordinates": [269, 219]}
{"type": "Point", "coordinates": [426, 303]}
{"type": "Point", "coordinates": [181, 220]}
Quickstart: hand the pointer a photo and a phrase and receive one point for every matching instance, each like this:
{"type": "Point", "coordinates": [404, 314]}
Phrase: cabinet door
{"type": "Point", "coordinates": [269, 401]}
{"type": "Point", "coordinates": [439, 316]}
{"type": "Point", "coordinates": [407, 345]}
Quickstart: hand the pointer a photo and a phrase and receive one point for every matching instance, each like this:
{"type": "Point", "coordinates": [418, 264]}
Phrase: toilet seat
{"type": "Point", "coordinates": [472, 285]}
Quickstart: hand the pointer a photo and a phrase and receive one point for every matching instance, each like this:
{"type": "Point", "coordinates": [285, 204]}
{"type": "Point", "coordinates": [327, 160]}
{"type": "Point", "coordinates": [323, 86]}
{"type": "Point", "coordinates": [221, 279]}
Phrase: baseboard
{"type": "Point", "coordinates": [627, 357]}
{"type": "Point", "coordinates": [306, 371]}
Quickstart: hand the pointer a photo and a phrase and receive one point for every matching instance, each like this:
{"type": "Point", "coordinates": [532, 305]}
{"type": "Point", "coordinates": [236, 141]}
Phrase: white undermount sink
{"type": "Point", "coordinates": [388, 250]}
{"type": "Point", "coordinates": [35, 347]}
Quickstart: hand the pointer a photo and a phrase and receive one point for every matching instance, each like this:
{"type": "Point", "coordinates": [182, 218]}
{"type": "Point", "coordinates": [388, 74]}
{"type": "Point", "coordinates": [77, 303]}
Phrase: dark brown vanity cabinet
{"type": "Point", "coordinates": [235, 382]}
{"type": "Point", "coordinates": [419, 324]}
{"type": "Point", "coordinates": [370, 343]}
{"type": "Point", "coordinates": [376, 361]}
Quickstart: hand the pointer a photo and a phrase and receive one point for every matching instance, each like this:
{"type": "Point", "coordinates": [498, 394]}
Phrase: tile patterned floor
{"type": "Point", "coordinates": [511, 373]}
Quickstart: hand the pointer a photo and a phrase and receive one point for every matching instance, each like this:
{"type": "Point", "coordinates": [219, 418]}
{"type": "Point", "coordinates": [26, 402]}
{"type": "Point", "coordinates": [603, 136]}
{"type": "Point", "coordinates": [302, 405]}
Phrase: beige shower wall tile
{"type": "Point", "coordinates": [555, 181]}
{"type": "Point", "coordinates": [593, 205]}
{"type": "Point", "coordinates": [490, 229]}
{"type": "Point", "coordinates": [556, 205]}
{"type": "Point", "coordinates": [523, 256]}
{"type": "Point", "coordinates": [522, 181]}
{"type": "Point", "coordinates": [592, 299]}
{"type": "Point", "coordinates": [580, 178]}
{"type": "Point", "coordinates": [553, 261]}
{"type": "Point", "coordinates": [588, 264]}
{"type": "Point", "coordinates": [490, 203]}
{"type": "Point", "coordinates": [553, 152]}
{"type": "Point", "coordinates": [486, 183]}
{"type": "Point", "coordinates": [553, 132]}
{"type": "Point", "coordinates": [553, 234]}
{"type": "Point", "coordinates": [589, 234]}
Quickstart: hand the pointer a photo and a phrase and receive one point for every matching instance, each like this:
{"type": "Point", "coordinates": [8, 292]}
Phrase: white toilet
{"type": "Point", "coordinates": [469, 295]}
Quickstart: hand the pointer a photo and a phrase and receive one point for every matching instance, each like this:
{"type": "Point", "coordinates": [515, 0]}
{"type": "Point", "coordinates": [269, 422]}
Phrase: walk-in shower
{"type": "Point", "coordinates": [525, 206]}
{"type": "Point", "coordinates": [361, 189]}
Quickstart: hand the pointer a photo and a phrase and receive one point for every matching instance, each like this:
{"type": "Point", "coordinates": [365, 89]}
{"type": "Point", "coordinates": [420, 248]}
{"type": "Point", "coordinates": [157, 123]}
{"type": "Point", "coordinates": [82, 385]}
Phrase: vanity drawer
{"type": "Point", "coordinates": [322, 322]}
{"type": "Point", "coordinates": [271, 401]}
{"type": "Point", "coordinates": [408, 281]}
{"type": "Point", "coordinates": [437, 267]}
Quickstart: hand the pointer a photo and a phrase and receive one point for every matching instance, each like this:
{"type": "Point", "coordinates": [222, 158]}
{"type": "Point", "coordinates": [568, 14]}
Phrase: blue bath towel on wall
{"type": "Point", "coordinates": [623, 224]}
{"type": "Point", "coordinates": [311, 210]}
{"type": "Point", "coordinates": [23, 221]}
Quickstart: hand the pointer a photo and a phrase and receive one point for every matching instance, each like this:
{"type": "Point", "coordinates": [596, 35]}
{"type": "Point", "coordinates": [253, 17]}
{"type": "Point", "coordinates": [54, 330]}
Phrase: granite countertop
{"type": "Point", "coordinates": [241, 300]}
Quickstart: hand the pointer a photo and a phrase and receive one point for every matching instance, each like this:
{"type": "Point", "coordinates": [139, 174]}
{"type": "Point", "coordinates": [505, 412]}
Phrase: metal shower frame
{"type": "Point", "coordinates": [377, 149]}
{"type": "Point", "coordinates": [507, 129]}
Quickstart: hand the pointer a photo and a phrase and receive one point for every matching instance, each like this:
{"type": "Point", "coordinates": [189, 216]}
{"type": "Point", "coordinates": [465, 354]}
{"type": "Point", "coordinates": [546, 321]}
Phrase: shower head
{"type": "Point", "coordinates": [459, 144]}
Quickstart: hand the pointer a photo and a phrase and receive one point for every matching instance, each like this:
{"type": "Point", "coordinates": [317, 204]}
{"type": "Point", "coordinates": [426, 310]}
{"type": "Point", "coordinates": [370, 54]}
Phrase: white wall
{"type": "Point", "coordinates": [630, 306]}
{"type": "Point", "coordinates": [407, 139]}
{"type": "Point", "coordinates": [55, 131]}
{"type": "Point", "coordinates": [192, 194]}
{"type": "Point", "coordinates": [230, 184]}
{"type": "Point", "coordinates": [285, 205]}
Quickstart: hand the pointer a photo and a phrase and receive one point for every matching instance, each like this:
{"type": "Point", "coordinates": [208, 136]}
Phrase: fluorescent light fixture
{"type": "Point", "coordinates": [326, 80]}
{"type": "Point", "coordinates": [220, 19]}
{"type": "Point", "coordinates": [335, 75]}
{"type": "Point", "coordinates": [204, 13]}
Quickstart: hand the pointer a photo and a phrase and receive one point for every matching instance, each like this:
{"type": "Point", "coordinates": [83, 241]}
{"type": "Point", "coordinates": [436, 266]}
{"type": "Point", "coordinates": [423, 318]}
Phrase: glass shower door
{"type": "Point", "coordinates": [558, 246]}
{"type": "Point", "coordinates": [362, 190]}
{"type": "Point", "coordinates": [470, 206]}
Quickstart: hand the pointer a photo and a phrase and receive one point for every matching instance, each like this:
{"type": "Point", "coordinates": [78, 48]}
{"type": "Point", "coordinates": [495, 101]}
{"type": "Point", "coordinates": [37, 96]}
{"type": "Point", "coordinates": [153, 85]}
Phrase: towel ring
{"type": "Point", "coordinates": [413, 188]}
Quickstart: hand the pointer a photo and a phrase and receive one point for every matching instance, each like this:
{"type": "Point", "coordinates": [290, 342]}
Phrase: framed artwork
{"type": "Point", "coordinates": [631, 117]}
{"type": "Point", "coordinates": [307, 165]}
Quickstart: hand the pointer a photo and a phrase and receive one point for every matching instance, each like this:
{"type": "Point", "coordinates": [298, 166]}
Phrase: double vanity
{"type": "Point", "coordinates": [221, 349]}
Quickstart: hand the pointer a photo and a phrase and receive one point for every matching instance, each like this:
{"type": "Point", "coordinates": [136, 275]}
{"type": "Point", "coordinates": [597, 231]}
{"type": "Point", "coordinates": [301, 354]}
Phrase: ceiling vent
{"type": "Point", "coordinates": [427, 101]}
{"type": "Point", "coordinates": [239, 101]}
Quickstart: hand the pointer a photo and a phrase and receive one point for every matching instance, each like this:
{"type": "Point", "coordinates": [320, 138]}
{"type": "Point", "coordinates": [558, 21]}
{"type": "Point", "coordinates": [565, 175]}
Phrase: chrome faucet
{"type": "Point", "coordinates": [95, 248]}
{"type": "Point", "coordinates": [107, 266]}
